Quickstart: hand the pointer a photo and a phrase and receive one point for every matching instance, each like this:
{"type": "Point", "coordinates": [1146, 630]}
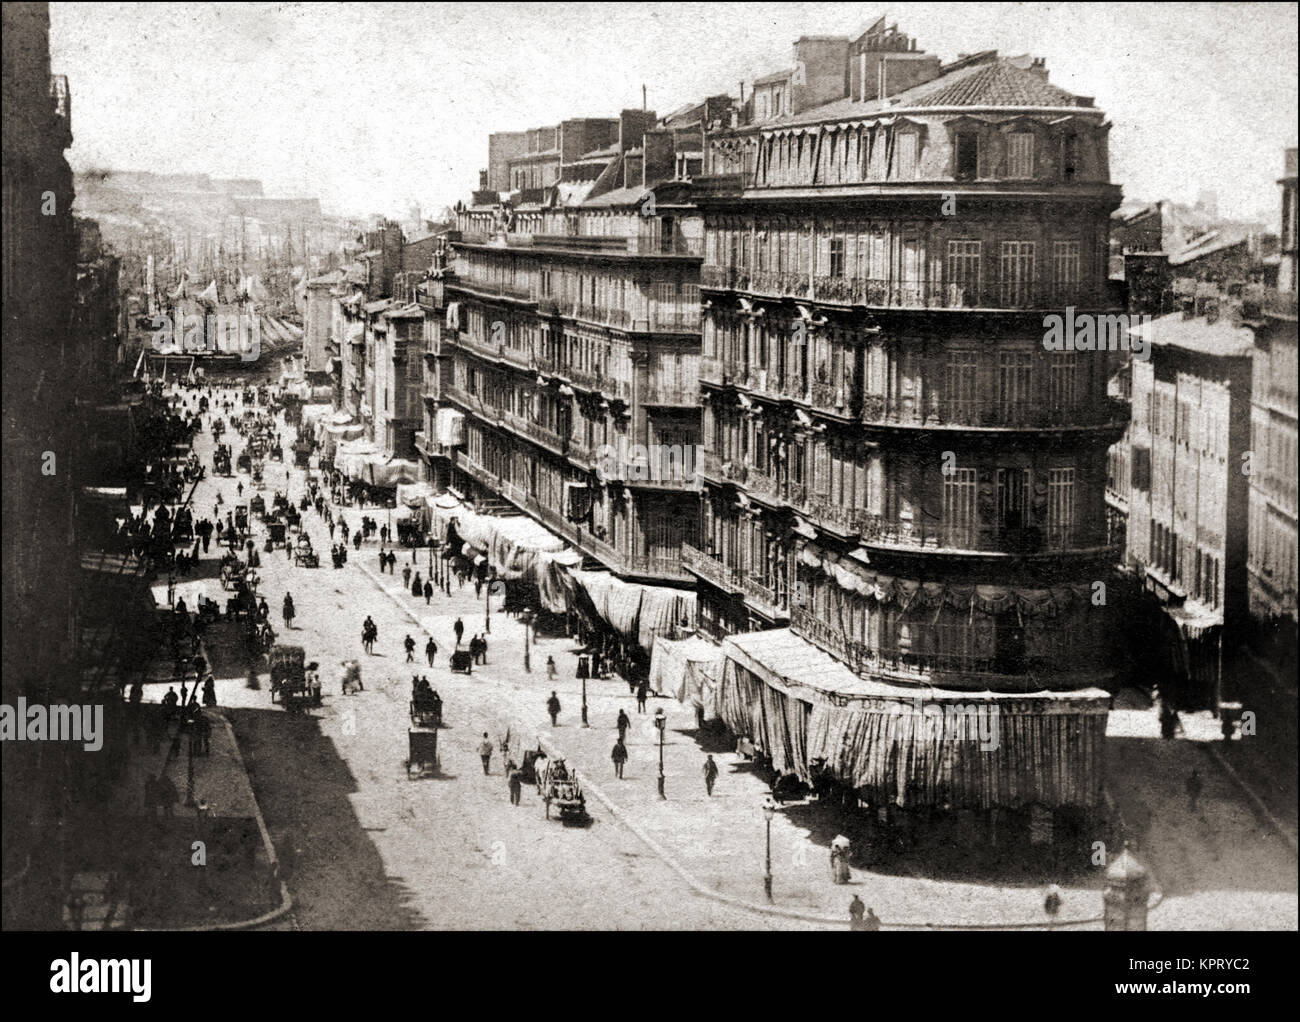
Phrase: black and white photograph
{"type": "Point", "coordinates": [593, 467]}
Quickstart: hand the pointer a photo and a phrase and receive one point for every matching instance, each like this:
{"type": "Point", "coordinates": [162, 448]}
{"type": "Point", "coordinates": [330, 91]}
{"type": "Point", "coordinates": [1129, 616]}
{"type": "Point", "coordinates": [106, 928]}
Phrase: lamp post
{"type": "Point", "coordinates": [527, 618]}
{"type": "Point", "coordinates": [769, 810]}
{"type": "Point", "coordinates": [584, 712]}
{"type": "Point", "coordinates": [661, 722]}
{"type": "Point", "coordinates": [487, 608]}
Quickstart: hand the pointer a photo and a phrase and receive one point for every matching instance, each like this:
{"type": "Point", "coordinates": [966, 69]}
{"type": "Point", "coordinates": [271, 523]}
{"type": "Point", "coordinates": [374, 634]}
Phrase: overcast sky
{"type": "Point", "coordinates": [374, 106]}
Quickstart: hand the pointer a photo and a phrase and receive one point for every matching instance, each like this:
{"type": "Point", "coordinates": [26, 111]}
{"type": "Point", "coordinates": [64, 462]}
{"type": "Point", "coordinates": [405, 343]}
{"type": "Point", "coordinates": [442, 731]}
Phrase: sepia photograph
{"type": "Point", "coordinates": [601, 467]}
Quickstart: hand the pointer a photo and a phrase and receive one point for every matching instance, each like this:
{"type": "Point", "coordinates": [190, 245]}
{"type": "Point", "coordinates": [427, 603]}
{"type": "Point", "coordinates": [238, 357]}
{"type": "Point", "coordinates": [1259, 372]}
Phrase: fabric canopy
{"type": "Point", "coordinates": [911, 746]}
{"type": "Point", "coordinates": [688, 670]}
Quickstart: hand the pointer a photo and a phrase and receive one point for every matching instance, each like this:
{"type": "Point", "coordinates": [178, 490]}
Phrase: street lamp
{"type": "Point", "coordinates": [769, 811]}
{"type": "Point", "coordinates": [661, 722]}
{"type": "Point", "coordinates": [527, 618]}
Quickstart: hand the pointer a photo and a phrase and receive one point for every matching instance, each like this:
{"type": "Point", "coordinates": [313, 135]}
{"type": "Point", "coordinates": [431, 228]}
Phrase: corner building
{"type": "Point", "coordinates": [901, 483]}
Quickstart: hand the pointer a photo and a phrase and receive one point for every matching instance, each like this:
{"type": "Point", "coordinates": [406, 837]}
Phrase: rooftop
{"type": "Point", "coordinates": [1222, 338]}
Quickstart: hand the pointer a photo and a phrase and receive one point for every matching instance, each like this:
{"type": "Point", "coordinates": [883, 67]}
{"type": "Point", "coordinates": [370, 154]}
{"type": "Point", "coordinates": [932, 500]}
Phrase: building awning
{"type": "Point", "coordinates": [912, 745]}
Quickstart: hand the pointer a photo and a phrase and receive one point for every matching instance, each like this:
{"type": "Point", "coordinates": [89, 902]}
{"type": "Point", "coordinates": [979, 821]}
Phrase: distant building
{"type": "Point", "coordinates": [1272, 552]}
{"type": "Point", "coordinates": [1188, 496]}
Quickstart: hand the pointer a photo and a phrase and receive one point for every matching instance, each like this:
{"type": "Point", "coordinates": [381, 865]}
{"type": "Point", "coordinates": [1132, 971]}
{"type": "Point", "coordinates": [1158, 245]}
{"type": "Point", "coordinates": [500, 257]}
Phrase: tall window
{"type": "Point", "coordinates": [1064, 373]}
{"type": "Point", "coordinates": [1020, 154]}
{"type": "Point", "coordinates": [1017, 273]}
{"type": "Point", "coordinates": [1013, 490]}
{"type": "Point", "coordinates": [1060, 505]}
{"type": "Point", "coordinates": [959, 507]}
{"type": "Point", "coordinates": [962, 367]}
{"type": "Point", "coordinates": [1070, 156]}
{"type": "Point", "coordinates": [968, 156]}
{"type": "Point", "coordinates": [905, 157]}
{"type": "Point", "coordinates": [963, 273]}
{"type": "Point", "coordinates": [837, 257]}
{"type": "Point", "coordinates": [1065, 269]}
{"type": "Point", "coordinates": [1013, 385]}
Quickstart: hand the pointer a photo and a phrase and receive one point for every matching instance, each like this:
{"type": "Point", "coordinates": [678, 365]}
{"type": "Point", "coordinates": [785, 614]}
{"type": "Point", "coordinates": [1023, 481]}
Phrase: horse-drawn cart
{"type": "Point", "coordinates": [289, 679]}
{"type": "Point", "coordinates": [275, 535]}
{"type": "Point", "coordinates": [422, 756]}
{"type": "Point", "coordinates": [303, 554]}
{"type": "Point", "coordinates": [426, 710]}
{"type": "Point", "coordinates": [561, 788]}
{"type": "Point", "coordinates": [221, 460]}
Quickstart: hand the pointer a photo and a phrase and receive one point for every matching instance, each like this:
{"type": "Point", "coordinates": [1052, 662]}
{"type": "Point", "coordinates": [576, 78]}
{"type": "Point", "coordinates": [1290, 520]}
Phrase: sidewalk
{"type": "Point", "coordinates": [719, 842]}
{"type": "Point", "coordinates": [205, 866]}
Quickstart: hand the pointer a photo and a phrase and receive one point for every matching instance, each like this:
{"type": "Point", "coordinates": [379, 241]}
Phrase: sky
{"type": "Point", "coordinates": [374, 107]}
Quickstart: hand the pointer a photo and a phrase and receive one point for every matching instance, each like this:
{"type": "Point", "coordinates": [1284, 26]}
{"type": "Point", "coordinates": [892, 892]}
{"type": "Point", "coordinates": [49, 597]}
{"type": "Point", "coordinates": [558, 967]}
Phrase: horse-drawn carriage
{"type": "Point", "coordinates": [276, 533]}
{"type": "Point", "coordinates": [559, 787]}
{"type": "Point", "coordinates": [257, 471]}
{"type": "Point", "coordinates": [183, 526]}
{"type": "Point", "coordinates": [241, 519]}
{"type": "Point", "coordinates": [257, 505]}
{"type": "Point", "coordinates": [302, 454]}
{"type": "Point", "coordinates": [303, 554]}
{"type": "Point", "coordinates": [259, 634]}
{"type": "Point", "coordinates": [422, 756]}
{"type": "Point", "coordinates": [290, 680]}
{"type": "Point", "coordinates": [276, 453]}
{"type": "Point", "coordinates": [426, 709]}
{"type": "Point", "coordinates": [462, 662]}
{"type": "Point", "coordinates": [221, 460]}
{"type": "Point", "coordinates": [244, 462]}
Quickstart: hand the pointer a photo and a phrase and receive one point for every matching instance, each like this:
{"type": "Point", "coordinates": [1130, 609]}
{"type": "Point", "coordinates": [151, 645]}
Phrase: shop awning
{"type": "Point", "coordinates": [912, 746]}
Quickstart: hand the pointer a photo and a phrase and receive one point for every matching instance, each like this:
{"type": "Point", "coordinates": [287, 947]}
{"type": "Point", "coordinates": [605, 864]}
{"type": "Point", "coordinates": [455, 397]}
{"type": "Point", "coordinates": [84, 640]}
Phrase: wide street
{"type": "Point", "coordinates": [362, 846]}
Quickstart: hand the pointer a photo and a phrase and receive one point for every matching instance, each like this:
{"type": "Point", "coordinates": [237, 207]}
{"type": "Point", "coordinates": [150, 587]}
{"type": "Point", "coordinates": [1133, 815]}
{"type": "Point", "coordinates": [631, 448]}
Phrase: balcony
{"type": "Point", "coordinates": [496, 289]}
{"type": "Point", "coordinates": [431, 448]}
{"type": "Point", "coordinates": [546, 437]}
{"type": "Point", "coordinates": [709, 568]}
{"type": "Point", "coordinates": [938, 413]}
{"type": "Point", "coordinates": [764, 598]}
{"type": "Point", "coordinates": [885, 294]}
{"type": "Point", "coordinates": [723, 372]}
{"type": "Point", "coordinates": [610, 386]}
{"type": "Point", "coordinates": [659, 567]}
{"type": "Point", "coordinates": [642, 245]}
{"type": "Point", "coordinates": [878, 530]}
{"type": "Point", "coordinates": [715, 468]}
{"type": "Point", "coordinates": [673, 476]}
{"type": "Point", "coordinates": [670, 396]}
{"type": "Point", "coordinates": [968, 673]}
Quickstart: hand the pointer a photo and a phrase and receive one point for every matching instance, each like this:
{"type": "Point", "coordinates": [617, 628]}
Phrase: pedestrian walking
{"type": "Point", "coordinates": [624, 722]}
{"type": "Point", "coordinates": [550, 668]}
{"type": "Point", "coordinates": [459, 629]}
{"type": "Point", "coordinates": [383, 534]}
{"type": "Point", "coordinates": [856, 912]}
{"type": "Point", "coordinates": [643, 690]}
{"type": "Point", "coordinates": [430, 650]}
{"type": "Point", "coordinates": [1194, 788]}
{"type": "Point", "coordinates": [485, 753]}
{"type": "Point", "coordinates": [331, 528]}
{"type": "Point", "coordinates": [619, 756]}
{"type": "Point", "coordinates": [710, 773]}
{"type": "Point", "coordinates": [406, 573]}
{"type": "Point", "coordinates": [369, 633]}
{"type": "Point", "coordinates": [428, 592]}
{"type": "Point", "coordinates": [553, 708]}
{"type": "Point", "coordinates": [409, 645]}
{"type": "Point", "coordinates": [288, 611]}
{"type": "Point", "coordinates": [515, 779]}
{"type": "Point", "coordinates": [356, 542]}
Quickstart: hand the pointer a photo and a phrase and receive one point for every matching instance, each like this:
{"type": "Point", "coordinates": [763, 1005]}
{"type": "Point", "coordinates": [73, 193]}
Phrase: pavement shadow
{"type": "Point", "coordinates": [328, 859]}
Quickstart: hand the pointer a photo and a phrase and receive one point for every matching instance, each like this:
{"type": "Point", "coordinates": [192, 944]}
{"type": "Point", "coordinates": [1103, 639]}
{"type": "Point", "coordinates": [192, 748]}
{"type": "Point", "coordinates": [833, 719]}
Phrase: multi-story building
{"type": "Point", "coordinates": [443, 425]}
{"type": "Point", "coordinates": [573, 307]}
{"type": "Point", "coordinates": [1187, 498]}
{"type": "Point", "coordinates": [895, 466]}
{"type": "Point", "coordinates": [1272, 543]}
